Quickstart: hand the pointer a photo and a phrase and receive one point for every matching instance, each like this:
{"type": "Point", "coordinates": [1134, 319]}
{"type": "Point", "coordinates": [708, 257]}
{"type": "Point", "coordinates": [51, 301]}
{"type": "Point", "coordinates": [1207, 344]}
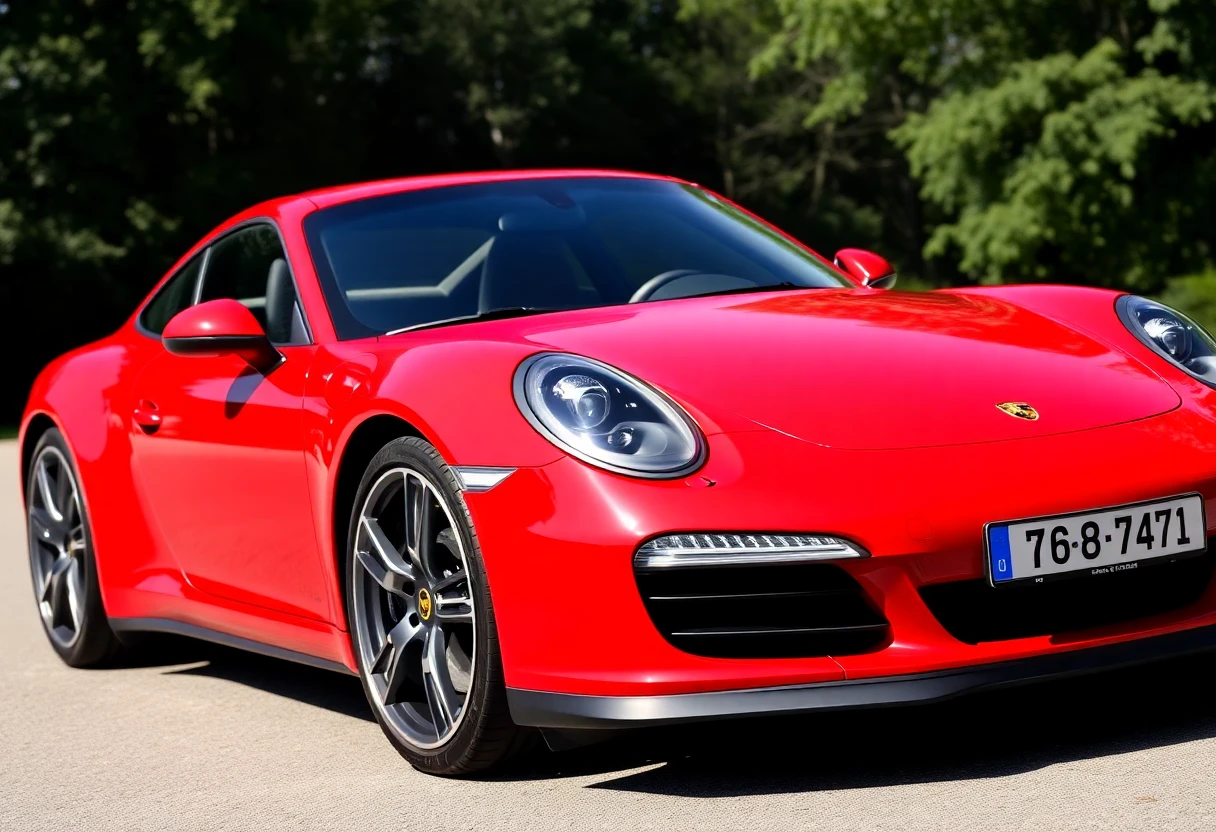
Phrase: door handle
{"type": "Point", "coordinates": [147, 417]}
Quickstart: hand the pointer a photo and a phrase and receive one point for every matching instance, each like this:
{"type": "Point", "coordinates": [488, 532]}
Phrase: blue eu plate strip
{"type": "Point", "coordinates": [998, 553]}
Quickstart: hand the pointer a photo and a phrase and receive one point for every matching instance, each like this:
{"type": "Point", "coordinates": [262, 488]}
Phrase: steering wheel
{"type": "Point", "coordinates": [652, 287]}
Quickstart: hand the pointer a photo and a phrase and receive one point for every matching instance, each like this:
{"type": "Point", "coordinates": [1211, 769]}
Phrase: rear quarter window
{"type": "Point", "coordinates": [176, 295]}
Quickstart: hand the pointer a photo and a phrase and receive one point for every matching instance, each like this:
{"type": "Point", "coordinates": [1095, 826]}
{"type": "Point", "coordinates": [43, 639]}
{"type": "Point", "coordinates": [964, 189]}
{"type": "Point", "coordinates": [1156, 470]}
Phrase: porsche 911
{"type": "Point", "coordinates": [563, 453]}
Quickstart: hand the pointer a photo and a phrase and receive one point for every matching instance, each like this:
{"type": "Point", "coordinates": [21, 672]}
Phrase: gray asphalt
{"type": "Point", "coordinates": [201, 737]}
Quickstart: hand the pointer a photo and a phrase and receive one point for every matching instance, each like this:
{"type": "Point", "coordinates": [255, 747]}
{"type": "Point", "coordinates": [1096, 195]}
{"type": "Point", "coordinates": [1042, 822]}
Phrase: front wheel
{"type": "Point", "coordinates": [421, 619]}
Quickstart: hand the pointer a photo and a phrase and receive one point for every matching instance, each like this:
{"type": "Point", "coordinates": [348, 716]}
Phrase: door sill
{"type": "Point", "coordinates": [180, 628]}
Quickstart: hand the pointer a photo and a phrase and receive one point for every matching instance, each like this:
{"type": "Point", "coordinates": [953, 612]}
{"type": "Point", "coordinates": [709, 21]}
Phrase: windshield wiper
{"type": "Point", "coordinates": [489, 315]}
{"type": "Point", "coordinates": [742, 290]}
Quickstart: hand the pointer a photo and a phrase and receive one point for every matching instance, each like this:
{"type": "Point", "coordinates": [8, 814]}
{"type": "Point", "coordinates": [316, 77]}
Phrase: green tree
{"type": "Point", "coordinates": [1069, 140]}
{"type": "Point", "coordinates": [130, 127]}
{"type": "Point", "coordinates": [834, 180]}
{"type": "Point", "coordinates": [1051, 139]}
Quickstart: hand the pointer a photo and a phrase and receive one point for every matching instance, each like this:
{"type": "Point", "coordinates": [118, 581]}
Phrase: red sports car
{"type": "Point", "coordinates": [584, 450]}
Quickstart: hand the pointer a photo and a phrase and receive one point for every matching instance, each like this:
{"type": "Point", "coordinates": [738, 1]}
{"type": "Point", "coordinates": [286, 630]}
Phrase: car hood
{"type": "Point", "coordinates": [869, 370]}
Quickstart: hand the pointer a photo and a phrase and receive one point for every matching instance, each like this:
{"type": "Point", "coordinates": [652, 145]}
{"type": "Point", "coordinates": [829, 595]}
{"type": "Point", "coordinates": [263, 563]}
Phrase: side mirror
{"type": "Point", "coordinates": [220, 327]}
{"type": "Point", "coordinates": [873, 271]}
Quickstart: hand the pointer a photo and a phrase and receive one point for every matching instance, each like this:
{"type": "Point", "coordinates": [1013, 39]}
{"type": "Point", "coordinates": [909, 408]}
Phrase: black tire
{"type": "Point", "coordinates": [93, 642]}
{"type": "Point", "coordinates": [485, 736]}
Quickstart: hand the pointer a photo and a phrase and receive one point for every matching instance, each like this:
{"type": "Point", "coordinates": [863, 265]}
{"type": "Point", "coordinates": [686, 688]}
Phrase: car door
{"type": "Point", "coordinates": [218, 446]}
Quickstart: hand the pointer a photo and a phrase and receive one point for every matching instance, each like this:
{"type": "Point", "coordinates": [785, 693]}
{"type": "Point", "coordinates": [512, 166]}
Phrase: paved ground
{"type": "Point", "coordinates": [207, 738]}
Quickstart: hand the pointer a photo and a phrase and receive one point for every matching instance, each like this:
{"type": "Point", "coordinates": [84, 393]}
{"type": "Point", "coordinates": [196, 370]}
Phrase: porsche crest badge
{"type": "Point", "coordinates": [424, 604]}
{"type": "Point", "coordinates": [1019, 410]}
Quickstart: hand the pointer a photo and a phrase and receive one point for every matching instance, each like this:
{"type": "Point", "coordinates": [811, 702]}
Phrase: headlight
{"type": "Point", "coordinates": [1172, 335]}
{"type": "Point", "coordinates": [607, 418]}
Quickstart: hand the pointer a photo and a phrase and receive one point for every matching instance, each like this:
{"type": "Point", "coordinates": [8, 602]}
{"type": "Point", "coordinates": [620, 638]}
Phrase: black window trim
{"type": "Point", "coordinates": [205, 254]}
{"type": "Point", "coordinates": [197, 294]}
{"type": "Point", "coordinates": [200, 281]}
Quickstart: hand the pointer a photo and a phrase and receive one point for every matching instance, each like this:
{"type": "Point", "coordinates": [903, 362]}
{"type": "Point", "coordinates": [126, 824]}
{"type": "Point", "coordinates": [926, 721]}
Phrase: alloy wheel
{"type": "Point", "coordinates": [57, 546]}
{"type": "Point", "coordinates": [413, 608]}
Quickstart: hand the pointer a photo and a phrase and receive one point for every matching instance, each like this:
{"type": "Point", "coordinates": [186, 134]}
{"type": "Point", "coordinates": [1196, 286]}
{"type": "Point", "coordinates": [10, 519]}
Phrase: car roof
{"type": "Point", "coordinates": [325, 197]}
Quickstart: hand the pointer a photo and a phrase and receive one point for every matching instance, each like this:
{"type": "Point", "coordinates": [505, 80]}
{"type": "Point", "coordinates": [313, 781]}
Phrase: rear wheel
{"type": "Point", "coordinates": [62, 564]}
{"type": "Point", "coordinates": [421, 619]}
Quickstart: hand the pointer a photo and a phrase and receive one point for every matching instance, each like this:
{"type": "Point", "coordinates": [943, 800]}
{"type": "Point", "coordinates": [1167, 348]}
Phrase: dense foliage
{"type": "Point", "coordinates": [1062, 140]}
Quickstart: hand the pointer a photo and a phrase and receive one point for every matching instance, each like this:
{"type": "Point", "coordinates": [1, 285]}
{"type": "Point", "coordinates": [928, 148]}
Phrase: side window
{"type": "Point", "coordinates": [250, 266]}
{"type": "Point", "coordinates": [173, 297]}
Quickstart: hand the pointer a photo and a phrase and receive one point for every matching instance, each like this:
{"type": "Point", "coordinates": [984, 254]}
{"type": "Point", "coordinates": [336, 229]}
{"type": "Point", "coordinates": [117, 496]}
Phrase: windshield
{"type": "Point", "coordinates": [411, 259]}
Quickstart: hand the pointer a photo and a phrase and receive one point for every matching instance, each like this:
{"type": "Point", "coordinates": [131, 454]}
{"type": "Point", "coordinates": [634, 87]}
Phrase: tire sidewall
{"type": "Point", "coordinates": [423, 458]}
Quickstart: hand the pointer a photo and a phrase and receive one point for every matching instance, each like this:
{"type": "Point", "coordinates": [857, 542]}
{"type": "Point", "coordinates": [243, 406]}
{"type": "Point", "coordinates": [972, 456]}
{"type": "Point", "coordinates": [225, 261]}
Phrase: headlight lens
{"type": "Point", "coordinates": [606, 417]}
{"type": "Point", "coordinates": [1171, 335]}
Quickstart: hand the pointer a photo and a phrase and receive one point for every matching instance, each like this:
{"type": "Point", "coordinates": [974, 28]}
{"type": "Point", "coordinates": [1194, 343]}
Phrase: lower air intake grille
{"type": "Point", "coordinates": [762, 611]}
{"type": "Point", "coordinates": [974, 611]}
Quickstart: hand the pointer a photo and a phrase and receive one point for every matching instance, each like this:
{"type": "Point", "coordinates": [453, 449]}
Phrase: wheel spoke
{"type": "Point", "coordinates": [417, 519]}
{"type": "Point", "coordinates": [75, 591]}
{"type": "Point", "coordinates": [45, 592]}
{"type": "Point", "coordinates": [426, 536]}
{"type": "Point", "coordinates": [76, 540]}
{"type": "Point", "coordinates": [452, 601]}
{"type": "Point", "coordinates": [47, 489]}
{"type": "Point", "coordinates": [43, 525]}
{"type": "Point", "coordinates": [63, 493]}
{"type": "Point", "coordinates": [391, 662]}
{"type": "Point", "coordinates": [449, 583]}
{"type": "Point", "coordinates": [382, 560]}
{"type": "Point", "coordinates": [59, 591]}
{"type": "Point", "coordinates": [395, 675]}
{"type": "Point", "coordinates": [454, 613]}
{"type": "Point", "coordinates": [441, 697]}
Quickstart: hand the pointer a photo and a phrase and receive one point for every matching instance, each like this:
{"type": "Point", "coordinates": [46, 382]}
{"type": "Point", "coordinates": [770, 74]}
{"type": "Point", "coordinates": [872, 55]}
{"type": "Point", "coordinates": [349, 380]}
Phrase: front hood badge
{"type": "Point", "coordinates": [1019, 410]}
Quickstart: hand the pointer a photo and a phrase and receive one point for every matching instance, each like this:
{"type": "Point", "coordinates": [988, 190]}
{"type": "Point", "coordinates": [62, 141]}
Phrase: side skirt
{"type": "Point", "coordinates": [179, 628]}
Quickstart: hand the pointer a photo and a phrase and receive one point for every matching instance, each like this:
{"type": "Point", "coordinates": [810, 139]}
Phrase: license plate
{"type": "Point", "coordinates": [1099, 542]}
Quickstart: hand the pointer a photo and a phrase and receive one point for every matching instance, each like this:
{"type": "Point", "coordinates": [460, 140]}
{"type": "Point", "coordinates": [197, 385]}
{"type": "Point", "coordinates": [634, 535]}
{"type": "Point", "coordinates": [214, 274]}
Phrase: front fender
{"type": "Point", "coordinates": [456, 395]}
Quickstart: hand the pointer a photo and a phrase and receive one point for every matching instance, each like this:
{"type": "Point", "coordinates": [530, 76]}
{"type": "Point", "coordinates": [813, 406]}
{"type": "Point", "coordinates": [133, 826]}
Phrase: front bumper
{"type": "Point", "coordinates": [573, 711]}
{"type": "Point", "coordinates": [558, 545]}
